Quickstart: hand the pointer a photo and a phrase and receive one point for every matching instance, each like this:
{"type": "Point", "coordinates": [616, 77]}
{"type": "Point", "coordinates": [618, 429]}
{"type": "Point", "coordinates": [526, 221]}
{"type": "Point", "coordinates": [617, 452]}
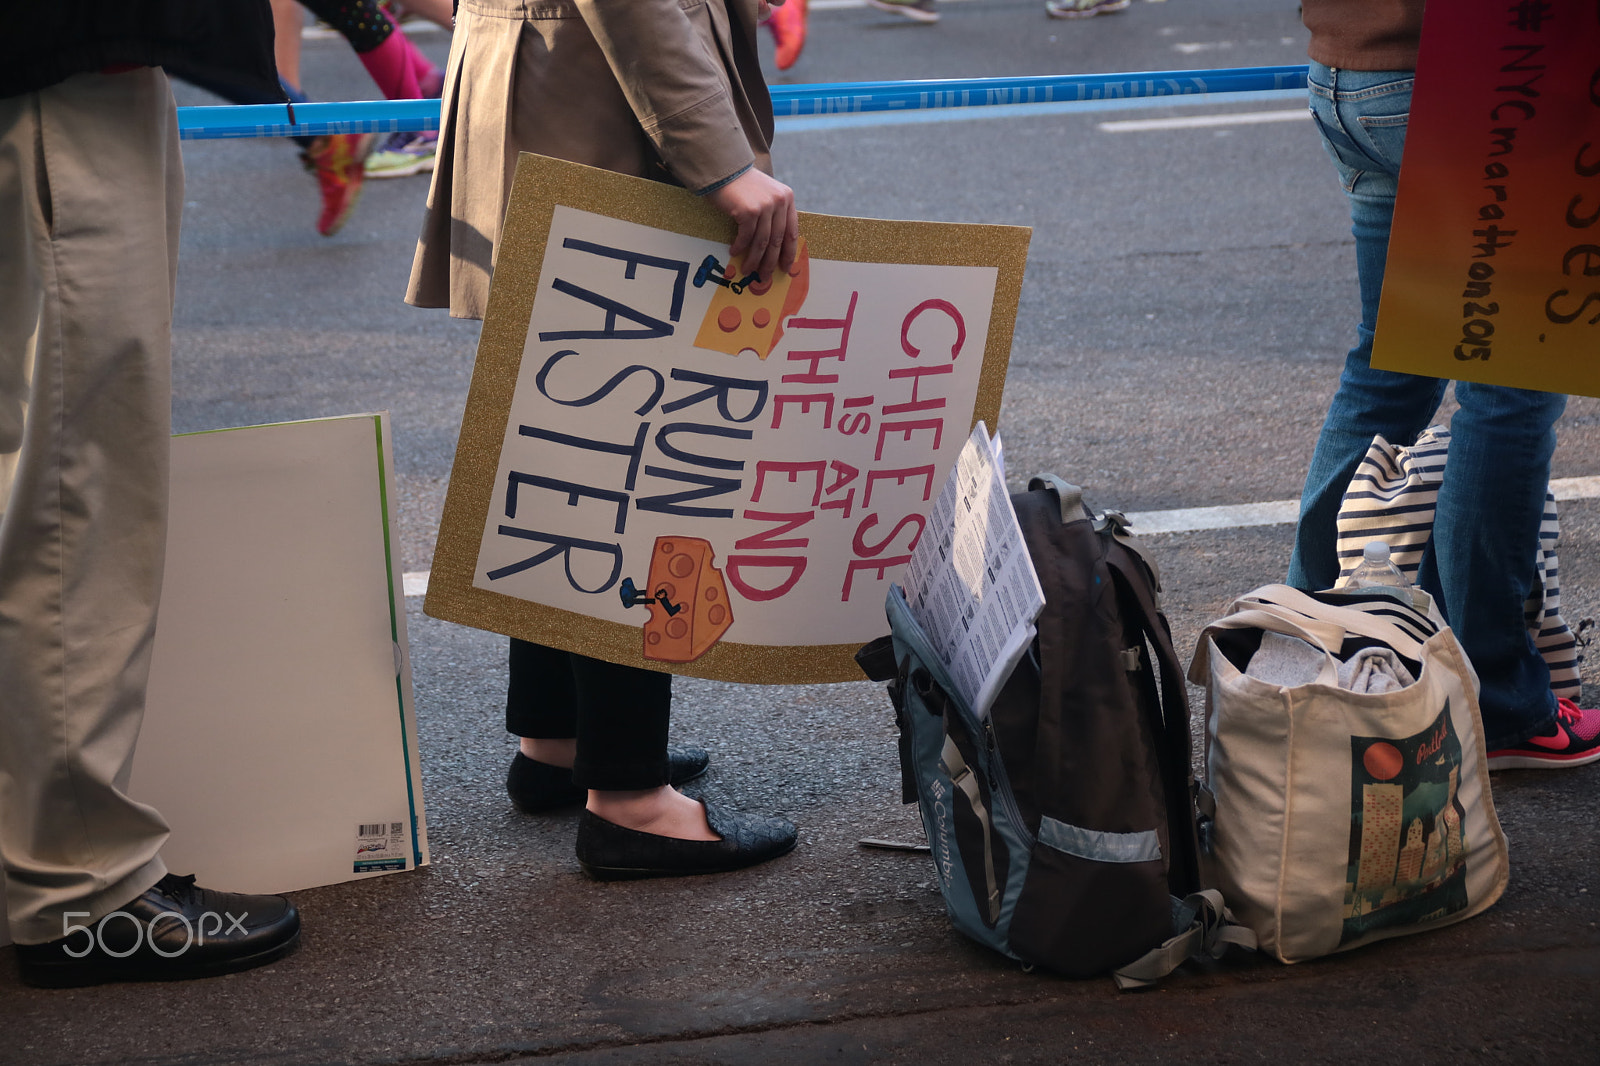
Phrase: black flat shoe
{"type": "Point", "coordinates": [174, 931]}
{"type": "Point", "coordinates": [537, 788]}
{"type": "Point", "coordinates": [609, 852]}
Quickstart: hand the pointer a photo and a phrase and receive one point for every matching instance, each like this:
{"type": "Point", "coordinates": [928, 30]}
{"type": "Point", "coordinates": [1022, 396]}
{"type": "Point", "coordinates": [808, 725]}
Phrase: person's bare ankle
{"type": "Point", "coordinates": [560, 752]}
{"type": "Point", "coordinates": [660, 811]}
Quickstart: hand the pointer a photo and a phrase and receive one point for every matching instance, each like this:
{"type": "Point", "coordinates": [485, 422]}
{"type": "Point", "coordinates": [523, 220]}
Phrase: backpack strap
{"type": "Point", "coordinates": [1135, 572]}
{"type": "Point", "coordinates": [1116, 523]}
{"type": "Point", "coordinates": [1201, 922]}
{"type": "Point", "coordinates": [1204, 926]}
{"type": "Point", "coordinates": [1176, 745]}
{"type": "Point", "coordinates": [962, 777]}
{"type": "Point", "coordinates": [1068, 496]}
{"type": "Point", "coordinates": [877, 659]}
{"type": "Point", "coordinates": [1326, 637]}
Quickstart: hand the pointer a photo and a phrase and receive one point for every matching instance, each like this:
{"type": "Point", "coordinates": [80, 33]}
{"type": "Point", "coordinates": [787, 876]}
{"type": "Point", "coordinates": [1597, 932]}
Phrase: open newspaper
{"type": "Point", "coordinates": [970, 584]}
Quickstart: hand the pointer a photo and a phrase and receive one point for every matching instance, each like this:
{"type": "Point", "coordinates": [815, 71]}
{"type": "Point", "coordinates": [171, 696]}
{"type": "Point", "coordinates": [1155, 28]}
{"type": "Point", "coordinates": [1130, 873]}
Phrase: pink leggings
{"type": "Point", "coordinates": [401, 70]}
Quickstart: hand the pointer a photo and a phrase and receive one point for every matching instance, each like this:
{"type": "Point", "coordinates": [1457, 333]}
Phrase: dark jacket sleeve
{"type": "Point", "coordinates": [672, 61]}
{"type": "Point", "coordinates": [226, 44]}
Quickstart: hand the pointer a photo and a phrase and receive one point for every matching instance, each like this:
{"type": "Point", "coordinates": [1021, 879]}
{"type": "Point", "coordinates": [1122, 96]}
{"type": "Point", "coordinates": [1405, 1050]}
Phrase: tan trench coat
{"type": "Point", "coordinates": [665, 89]}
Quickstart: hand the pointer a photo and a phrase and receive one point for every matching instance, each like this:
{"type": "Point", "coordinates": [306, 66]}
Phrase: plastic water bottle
{"type": "Point", "coordinates": [1377, 570]}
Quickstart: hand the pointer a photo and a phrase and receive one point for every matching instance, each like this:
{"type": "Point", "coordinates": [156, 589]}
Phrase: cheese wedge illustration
{"type": "Point", "coordinates": [752, 320]}
{"type": "Point", "coordinates": [694, 611]}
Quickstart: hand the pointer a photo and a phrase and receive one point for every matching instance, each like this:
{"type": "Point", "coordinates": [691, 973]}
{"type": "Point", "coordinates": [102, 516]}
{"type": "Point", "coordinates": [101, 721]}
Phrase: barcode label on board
{"type": "Point", "coordinates": [380, 846]}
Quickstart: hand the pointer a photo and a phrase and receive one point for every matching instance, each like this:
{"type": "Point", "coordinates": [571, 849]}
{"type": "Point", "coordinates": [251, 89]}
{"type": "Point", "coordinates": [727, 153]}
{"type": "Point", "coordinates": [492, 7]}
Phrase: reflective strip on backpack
{"type": "Point", "coordinates": [1098, 845]}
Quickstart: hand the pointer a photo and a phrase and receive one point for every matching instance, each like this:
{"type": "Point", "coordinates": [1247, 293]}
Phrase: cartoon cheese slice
{"type": "Point", "coordinates": [690, 609]}
{"type": "Point", "coordinates": [752, 320]}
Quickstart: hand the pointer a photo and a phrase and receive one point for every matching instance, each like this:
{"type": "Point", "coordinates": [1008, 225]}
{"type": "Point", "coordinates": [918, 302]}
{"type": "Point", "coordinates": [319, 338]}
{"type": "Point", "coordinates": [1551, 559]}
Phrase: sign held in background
{"type": "Point", "coordinates": [1494, 259]}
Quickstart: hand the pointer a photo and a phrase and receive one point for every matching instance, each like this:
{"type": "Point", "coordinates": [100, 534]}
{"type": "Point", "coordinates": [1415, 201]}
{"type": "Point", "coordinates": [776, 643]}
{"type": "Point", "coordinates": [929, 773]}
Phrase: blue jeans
{"type": "Point", "coordinates": [1479, 566]}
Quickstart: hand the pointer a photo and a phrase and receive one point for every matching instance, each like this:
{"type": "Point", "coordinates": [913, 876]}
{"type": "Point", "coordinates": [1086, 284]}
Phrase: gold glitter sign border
{"type": "Point", "coordinates": [540, 185]}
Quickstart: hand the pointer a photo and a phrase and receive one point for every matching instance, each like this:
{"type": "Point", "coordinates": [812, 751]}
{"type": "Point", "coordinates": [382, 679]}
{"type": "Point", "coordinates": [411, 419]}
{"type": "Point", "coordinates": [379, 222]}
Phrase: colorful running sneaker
{"type": "Point", "coordinates": [915, 10]}
{"type": "Point", "coordinates": [339, 162]}
{"type": "Point", "coordinates": [404, 154]}
{"type": "Point", "coordinates": [788, 25]}
{"type": "Point", "coordinates": [1082, 9]}
{"type": "Point", "coordinates": [1575, 742]}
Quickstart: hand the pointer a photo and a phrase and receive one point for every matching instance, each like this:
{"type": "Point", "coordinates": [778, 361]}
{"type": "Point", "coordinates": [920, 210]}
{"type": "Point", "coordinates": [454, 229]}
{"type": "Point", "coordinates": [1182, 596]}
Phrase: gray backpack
{"type": "Point", "coordinates": [1062, 826]}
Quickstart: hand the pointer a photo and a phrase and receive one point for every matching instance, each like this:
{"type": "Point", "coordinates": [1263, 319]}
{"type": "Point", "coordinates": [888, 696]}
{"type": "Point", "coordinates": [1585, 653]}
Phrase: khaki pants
{"type": "Point", "coordinates": [91, 189]}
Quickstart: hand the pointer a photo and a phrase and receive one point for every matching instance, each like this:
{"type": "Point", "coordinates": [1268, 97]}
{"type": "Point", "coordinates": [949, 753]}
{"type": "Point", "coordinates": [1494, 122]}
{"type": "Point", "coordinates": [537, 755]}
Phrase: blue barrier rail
{"type": "Point", "coordinates": [788, 101]}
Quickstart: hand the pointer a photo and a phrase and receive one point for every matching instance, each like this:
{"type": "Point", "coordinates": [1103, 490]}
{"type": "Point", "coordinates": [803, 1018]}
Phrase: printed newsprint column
{"type": "Point", "coordinates": [1494, 259]}
{"type": "Point", "coordinates": [667, 463]}
{"type": "Point", "coordinates": [971, 585]}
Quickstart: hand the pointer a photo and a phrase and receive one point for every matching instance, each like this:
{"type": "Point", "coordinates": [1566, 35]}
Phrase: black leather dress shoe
{"type": "Point", "coordinates": [171, 932]}
{"type": "Point", "coordinates": [536, 787]}
{"type": "Point", "coordinates": [609, 852]}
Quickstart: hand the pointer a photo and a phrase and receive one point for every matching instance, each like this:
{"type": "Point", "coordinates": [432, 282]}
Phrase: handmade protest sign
{"type": "Point", "coordinates": [666, 462]}
{"type": "Point", "coordinates": [1494, 259]}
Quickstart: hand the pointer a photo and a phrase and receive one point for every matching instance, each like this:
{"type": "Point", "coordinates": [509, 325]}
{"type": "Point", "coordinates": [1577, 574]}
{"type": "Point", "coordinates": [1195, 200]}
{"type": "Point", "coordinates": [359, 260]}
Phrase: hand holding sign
{"type": "Point", "coordinates": [769, 226]}
{"type": "Point", "coordinates": [645, 421]}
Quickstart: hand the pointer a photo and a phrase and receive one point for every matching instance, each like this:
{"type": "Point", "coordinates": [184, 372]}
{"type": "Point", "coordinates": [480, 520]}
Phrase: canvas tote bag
{"type": "Point", "coordinates": [1392, 497]}
{"type": "Point", "coordinates": [1333, 817]}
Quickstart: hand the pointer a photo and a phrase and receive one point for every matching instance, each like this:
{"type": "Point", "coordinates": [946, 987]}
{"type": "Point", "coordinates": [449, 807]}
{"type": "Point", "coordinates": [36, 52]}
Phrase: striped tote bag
{"type": "Point", "coordinates": [1392, 497]}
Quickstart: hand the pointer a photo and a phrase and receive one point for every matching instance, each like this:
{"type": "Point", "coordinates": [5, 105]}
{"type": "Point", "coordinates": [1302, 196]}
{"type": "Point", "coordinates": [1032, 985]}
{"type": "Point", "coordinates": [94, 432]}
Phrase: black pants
{"type": "Point", "coordinates": [618, 714]}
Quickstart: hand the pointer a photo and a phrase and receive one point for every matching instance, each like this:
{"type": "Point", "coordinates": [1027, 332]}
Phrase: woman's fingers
{"type": "Point", "coordinates": [791, 238]}
{"type": "Point", "coordinates": [742, 239]}
{"type": "Point", "coordinates": [765, 245]}
{"type": "Point", "coordinates": [769, 226]}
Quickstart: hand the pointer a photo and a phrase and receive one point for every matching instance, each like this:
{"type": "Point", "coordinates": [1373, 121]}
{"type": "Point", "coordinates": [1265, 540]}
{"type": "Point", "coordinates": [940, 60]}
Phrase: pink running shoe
{"type": "Point", "coordinates": [1575, 742]}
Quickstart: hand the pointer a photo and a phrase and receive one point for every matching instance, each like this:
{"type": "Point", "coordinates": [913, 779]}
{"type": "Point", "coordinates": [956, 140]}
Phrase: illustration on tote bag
{"type": "Point", "coordinates": [1407, 850]}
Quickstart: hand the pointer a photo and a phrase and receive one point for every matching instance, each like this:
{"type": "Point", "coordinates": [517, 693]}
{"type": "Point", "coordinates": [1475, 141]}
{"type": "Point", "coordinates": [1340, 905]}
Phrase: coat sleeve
{"type": "Point", "coordinates": [669, 58]}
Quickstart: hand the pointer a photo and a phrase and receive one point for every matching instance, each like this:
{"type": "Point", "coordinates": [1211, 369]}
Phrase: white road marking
{"type": "Point", "coordinates": [1277, 512]}
{"type": "Point", "coordinates": [1197, 519]}
{"type": "Point", "coordinates": [1184, 122]}
{"type": "Point", "coordinates": [1193, 519]}
{"type": "Point", "coordinates": [1575, 488]}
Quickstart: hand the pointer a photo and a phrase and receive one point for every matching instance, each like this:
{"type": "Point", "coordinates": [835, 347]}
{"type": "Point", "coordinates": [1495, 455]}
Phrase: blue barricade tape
{"type": "Point", "coordinates": [794, 101]}
{"type": "Point", "coordinates": [788, 101]}
{"type": "Point", "coordinates": [308, 120]}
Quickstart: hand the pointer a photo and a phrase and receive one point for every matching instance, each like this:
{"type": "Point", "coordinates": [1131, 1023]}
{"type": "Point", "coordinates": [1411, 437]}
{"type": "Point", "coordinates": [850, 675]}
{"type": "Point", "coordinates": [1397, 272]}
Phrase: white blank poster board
{"type": "Point", "coordinates": [280, 735]}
